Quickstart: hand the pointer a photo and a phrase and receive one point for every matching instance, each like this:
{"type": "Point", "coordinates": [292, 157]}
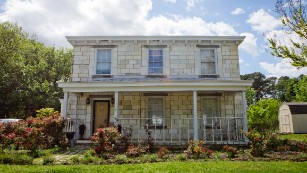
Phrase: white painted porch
{"type": "Point", "coordinates": [212, 130]}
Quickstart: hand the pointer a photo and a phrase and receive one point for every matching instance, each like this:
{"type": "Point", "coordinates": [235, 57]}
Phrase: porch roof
{"type": "Point", "coordinates": [155, 84]}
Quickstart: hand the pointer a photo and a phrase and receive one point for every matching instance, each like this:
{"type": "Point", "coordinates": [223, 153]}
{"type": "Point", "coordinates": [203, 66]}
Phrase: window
{"type": "Point", "coordinates": [208, 61]}
{"type": "Point", "coordinates": [210, 107]}
{"type": "Point", "coordinates": [155, 110]}
{"type": "Point", "coordinates": [103, 61]}
{"type": "Point", "coordinates": [155, 62]}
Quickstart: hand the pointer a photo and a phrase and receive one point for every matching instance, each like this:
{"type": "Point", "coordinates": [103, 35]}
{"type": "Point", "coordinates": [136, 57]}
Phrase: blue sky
{"type": "Point", "coordinates": [51, 20]}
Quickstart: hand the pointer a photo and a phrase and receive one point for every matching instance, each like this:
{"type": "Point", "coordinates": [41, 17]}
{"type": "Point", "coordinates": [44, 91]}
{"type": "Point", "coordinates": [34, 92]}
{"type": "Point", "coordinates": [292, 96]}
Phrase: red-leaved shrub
{"type": "Point", "coordinates": [33, 134]}
{"type": "Point", "coordinates": [104, 137]}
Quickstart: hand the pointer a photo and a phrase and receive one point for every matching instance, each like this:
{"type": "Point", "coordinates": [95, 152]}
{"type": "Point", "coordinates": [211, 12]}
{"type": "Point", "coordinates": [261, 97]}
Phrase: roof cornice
{"type": "Point", "coordinates": [238, 39]}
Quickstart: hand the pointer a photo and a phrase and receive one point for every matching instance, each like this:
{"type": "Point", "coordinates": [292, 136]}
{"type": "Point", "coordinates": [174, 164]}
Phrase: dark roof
{"type": "Point", "coordinates": [298, 109]}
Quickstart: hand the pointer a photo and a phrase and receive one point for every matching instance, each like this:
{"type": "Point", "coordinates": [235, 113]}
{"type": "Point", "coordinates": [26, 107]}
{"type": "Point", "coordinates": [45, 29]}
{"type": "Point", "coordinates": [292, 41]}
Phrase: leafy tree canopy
{"type": "Point", "coordinates": [293, 18]}
{"type": "Point", "coordinates": [29, 72]}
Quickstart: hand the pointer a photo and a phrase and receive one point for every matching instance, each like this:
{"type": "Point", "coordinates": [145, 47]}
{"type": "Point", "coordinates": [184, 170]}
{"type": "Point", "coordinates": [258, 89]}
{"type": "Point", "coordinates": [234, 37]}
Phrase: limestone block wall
{"type": "Point", "coordinates": [181, 59]}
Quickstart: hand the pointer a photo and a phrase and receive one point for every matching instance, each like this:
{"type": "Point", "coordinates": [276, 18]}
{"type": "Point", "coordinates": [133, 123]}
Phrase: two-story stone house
{"type": "Point", "coordinates": [180, 87]}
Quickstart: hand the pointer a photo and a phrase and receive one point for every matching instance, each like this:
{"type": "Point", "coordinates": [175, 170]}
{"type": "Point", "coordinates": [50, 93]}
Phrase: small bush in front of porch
{"type": "Point", "coordinates": [197, 150]}
{"type": "Point", "coordinates": [136, 151]}
{"type": "Point", "coordinates": [257, 143]}
{"type": "Point", "coordinates": [163, 152]}
{"type": "Point", "coordinates": [104, 137]}
{"type": "Point", "coordinates": [231, 151]}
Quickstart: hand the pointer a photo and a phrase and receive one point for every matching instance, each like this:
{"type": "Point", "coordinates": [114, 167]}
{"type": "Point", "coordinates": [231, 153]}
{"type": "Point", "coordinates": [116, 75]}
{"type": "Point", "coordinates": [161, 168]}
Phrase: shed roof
{"type": "Point", "coordinates": [297, 107]}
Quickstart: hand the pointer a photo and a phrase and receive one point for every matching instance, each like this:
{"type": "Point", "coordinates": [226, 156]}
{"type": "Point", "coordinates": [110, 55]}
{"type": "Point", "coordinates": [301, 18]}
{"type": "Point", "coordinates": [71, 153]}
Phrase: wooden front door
{"type": "Point", "coordinates": [101, 114]}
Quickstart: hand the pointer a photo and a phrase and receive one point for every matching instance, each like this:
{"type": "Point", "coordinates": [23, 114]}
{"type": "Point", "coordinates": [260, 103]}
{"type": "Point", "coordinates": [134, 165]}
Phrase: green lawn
{"type": "Point", "coordinates": [297, 137]}
{"type": "Point", "coordinates": [197, 166]}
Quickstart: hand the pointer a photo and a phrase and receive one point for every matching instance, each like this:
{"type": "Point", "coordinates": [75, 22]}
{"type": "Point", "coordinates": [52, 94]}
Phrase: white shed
{"type": "Point", "coordinates": [293, 117]}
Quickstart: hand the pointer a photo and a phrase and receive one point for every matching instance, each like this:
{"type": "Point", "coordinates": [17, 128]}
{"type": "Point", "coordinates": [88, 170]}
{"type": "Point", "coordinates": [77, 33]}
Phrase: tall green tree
{"type": "Point", "coordinates": [300, 90]}
{"type": "Point", "coordinates": [260, 84]}
{"type": "Point", "coordinates": [285, 88]}
{"type": "Point", "coordinates": [29, 72]}
{"type": "Point", "coordinates": [292, 14]}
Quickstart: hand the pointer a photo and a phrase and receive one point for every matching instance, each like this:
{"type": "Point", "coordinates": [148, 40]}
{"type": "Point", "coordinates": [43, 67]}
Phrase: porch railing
{"type": "Point", "coordinates": [179, 131]}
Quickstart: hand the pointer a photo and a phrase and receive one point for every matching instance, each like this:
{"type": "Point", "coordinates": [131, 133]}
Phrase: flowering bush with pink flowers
{"type": "Point", "coordinates": [18, 135]}
{"type": "Point", "coordinates": [33, 134]}
{"type": "Point", "coordinates": [52, 127]}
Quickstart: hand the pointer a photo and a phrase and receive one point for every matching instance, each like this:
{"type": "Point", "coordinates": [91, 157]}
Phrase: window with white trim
{"type": "Point", "coordinates": [103, 61]}
{"type": "Point", "coordinates": [208, 61]}
{"type": "Point", "coordinates": [155, 61]}
{"type": "Point", "coordinates": [155, 110]}
{"type": "Point", "coordinates": [210, 107]}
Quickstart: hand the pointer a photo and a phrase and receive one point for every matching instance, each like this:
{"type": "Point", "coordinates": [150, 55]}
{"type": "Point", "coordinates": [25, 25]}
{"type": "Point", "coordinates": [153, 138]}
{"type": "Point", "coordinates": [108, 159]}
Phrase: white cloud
{"type": "Point", "coordinates": [171, 1]}
{"type": "Point", "coordinates": [52, 20]}
{"type": "Point", "coordinates": [190, 4]}
{"type": "Point", "coordinates": [237, 11]}
{"type": "Point", "coordinates": [250, 44]}
{"type": "Point", "coordinates": [262, 21]}
{"type": "Point", "coordinates": [282, 68]}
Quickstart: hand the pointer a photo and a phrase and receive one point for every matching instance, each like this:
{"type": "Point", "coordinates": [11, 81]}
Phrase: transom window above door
{"type": "Point", "coordinates": [103, 61]}
{"type": "Point", "coordinates": [155, 61]}
{"type": "Point", "coordinates": [208, 61]}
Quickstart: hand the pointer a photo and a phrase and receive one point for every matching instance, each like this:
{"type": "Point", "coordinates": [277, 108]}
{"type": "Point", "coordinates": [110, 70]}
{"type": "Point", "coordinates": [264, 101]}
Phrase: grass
{"type": "Point", "coordinates": [190, 166]}
{"type": "Point", "coordinates": [297, 137]}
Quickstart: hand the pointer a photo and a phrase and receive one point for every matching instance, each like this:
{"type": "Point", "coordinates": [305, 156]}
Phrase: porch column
{"type": "Point", "coordinates": [76, 115]}
{"type": "Point", "coordinates": [64, 113]}
{"type": "Point", "coordinates": [244, 112]}
{"type": "Point", "coordinates": [195, 126]}
{"type": "Point", "coordinates": [115, 107]}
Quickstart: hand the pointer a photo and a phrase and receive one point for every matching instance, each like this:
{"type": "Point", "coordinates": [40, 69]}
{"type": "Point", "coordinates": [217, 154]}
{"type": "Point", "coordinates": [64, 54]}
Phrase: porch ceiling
{"type": "Point", "coordinates": [158, 85]}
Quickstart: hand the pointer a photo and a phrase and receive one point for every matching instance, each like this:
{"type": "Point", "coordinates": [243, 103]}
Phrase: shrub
{"type": "Point", "coordinates": [181, 157]}
{"type": "Point", "coordinates": [148, 158]}
{"type": "Point", "coordinates": [120, 158]}
{"type": "Point", "coordinates": [135, 151]}
{"type": "Point", "coordinates": [263, 116]}
{"type": "Point", "coordinates": [18, 135]}
{"type": "Point", "coordinates": [48, 160]}
{"type": "Point", "coordinates": [18, 159]}
{"type": "Point", "coordinates": [257, 143]}
{"type": "Point", "coordinates": [196, 150]}
{"type": "Point", "coordinates": [45, 112]}
{"type": "Point", "coordinates": [126, 136]}
{"type": "Point", "coordinates": [231, 151]}
{"type": "Point", "coordinates": [163, 152]}
{"type": "Point", "coordinates": [104, 137]}
{"type": "Point", "coordinates": [273, 142]}
{"type": "Point", "coordinates": [52, 127]}
{"type": "Point", "coordinates": [33, 134]}
{"type": "Point", "coordinates": [75, 159]}
{"type": "Point", "coordinates": [90, 160]}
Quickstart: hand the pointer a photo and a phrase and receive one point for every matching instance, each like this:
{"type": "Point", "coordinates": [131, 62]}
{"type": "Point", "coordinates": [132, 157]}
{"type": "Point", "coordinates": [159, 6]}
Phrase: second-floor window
{"type": "Point", "coordinates": [155, 62]}
{"type": "Point", "coordinates": [103, 61]}
{"type": "Point", "coordinates": [208, 61]}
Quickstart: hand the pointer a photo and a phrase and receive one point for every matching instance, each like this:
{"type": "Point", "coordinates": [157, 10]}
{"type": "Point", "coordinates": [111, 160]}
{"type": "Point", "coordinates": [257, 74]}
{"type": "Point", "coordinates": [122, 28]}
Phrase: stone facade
{"type": "Point", "coordinates": [181, 59]}
{"type": "Point", "coordinates": [131, 59]}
